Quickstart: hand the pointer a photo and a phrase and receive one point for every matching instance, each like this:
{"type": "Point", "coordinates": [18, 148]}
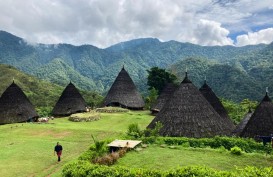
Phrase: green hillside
{"type": "Point", "coordinates": [94, 69]}
{"type": "Point", "coordinates": [59, 72]}
{"type": "Point", "coordinates": [228, 81]}
{"type": "Point", "coordinates": [40, 93]}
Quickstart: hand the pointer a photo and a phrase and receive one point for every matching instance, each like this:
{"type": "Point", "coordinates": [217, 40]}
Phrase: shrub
{"type": "Point", "coordinates": [98, 149]}
{"type": "Point", "coordinates": [134, 131]}
{"type": "Point", "coordinates": [122, 152]}
{"type": "Point", "coordinates": [246, 144]}
{"type": "Point", "coordinates": [236, 150]}
{"type": "Point", "coordinates": [111, 158]}
{"type": "Point", "coordinates": [84, 168]}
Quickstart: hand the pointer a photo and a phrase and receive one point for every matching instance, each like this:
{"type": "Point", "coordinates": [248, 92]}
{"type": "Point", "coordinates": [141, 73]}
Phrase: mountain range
{"type": "Point", "coordinates": [234, 73]}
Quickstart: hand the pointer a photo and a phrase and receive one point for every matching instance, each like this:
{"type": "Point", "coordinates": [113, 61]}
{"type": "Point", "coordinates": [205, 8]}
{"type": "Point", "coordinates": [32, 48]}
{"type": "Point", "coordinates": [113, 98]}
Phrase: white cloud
{"type": "Point", "coordinates": [263, 36]}
{"type": "Point", "coordinates": [106, 22]}
{"type": "Point", "coordinates": [208, 33]}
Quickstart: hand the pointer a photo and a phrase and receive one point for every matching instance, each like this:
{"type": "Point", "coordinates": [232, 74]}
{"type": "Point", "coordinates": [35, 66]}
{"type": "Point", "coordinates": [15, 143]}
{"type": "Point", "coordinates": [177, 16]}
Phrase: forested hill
{"type": "Point", "coordinates": [92, 68]}
{"type": "Point", "coordinates": [40, 93]}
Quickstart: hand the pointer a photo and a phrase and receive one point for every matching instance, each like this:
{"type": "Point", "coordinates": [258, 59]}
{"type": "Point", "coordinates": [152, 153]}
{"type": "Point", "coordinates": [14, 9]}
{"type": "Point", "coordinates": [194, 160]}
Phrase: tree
{"type": "Point", "coordinates": [236, 111]}
{"type": "Point", "coordinates": [158, 78]}
{"type": "Point", "coordinates": [151, 99]}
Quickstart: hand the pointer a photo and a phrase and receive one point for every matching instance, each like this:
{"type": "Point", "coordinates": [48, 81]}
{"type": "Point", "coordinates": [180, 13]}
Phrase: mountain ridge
{"type": "Point", "coordinates": [93, 68]}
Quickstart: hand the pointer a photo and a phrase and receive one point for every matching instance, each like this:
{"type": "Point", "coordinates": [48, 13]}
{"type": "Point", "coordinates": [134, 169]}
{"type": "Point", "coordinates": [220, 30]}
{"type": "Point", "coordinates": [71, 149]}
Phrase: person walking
{"type": "Point", "coordinates": [58, 150]}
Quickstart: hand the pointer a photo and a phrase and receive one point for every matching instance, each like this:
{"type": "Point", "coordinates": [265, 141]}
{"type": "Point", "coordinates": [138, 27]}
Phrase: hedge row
{"type": "Point", "coordinates": [84, 168]}
{"type": "Point", "coordinates": [247, 145]}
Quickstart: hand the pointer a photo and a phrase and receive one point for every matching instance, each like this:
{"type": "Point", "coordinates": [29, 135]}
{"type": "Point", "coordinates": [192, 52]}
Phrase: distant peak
{"type": "Point", "coordinates": [133, 43]}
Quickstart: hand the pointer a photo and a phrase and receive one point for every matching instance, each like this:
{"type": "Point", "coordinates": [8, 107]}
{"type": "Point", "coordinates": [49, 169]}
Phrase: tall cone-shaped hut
{"type": "Point", "coordinates": [240, 127]}
{"type": "Point", "coordinates": [123, 93]}
{"type": "Point", "coordinates": [71, 101]}
{"type": "Point", "coordinates": [165, 94]}
{"type": "Point", "coordinates": [188, 113]}
{"type": "Point", "coordinates": [15, 106]}
{"type": "Point", "coordinates": [211, 97]}
{"type": "Point", "coordinates": [261, 121]}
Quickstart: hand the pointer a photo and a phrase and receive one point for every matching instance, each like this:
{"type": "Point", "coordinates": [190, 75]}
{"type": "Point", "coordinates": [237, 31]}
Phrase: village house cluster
{"type": "Point", "coordinates": [183, 111]}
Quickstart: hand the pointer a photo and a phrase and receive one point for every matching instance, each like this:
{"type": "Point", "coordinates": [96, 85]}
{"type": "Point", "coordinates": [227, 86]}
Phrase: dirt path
{"type": "Point", "coordinates": [51, 169]}
{"type": "Point", "coordinates": [54, 171]}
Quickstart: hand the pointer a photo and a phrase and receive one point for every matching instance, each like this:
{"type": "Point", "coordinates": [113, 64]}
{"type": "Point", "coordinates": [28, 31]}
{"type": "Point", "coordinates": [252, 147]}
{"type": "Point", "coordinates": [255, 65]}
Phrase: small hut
{"type": "Point", "coordinates": [71, 101]}
{"type": "Point", "coordinates": [261, 121]}
{"type": "Point", "coordinates": [15, 106]}
{"type": "Point", "coordinates": [119, 144]}
{"type": "Point", "coordinates": [211, 97]}
{"type": "Point", "coordinates": [123, 93]}
{"type": "Point", "coordinates": [165, 94]}
{"type": "Point", "coordinates": [188, 113]}
{"type": "Point", "coordinates": [239, 128]}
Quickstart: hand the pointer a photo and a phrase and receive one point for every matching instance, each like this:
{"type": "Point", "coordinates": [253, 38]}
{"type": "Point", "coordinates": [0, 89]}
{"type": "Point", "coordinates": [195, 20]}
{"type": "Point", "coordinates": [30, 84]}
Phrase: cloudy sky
{"type": "Point", "coordinates": [106, 22]}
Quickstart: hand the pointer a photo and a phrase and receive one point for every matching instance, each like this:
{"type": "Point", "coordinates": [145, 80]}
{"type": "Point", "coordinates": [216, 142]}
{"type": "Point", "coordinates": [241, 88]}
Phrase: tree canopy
{"type": "Point", "coordinates": [158, 78]}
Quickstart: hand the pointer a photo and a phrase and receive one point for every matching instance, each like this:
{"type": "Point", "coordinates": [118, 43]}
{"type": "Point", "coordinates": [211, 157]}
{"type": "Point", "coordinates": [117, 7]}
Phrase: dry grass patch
{"type": "Point", "coordinates": [85, 117]}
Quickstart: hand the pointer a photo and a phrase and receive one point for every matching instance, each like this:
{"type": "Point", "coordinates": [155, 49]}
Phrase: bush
{"type": "Point", "coordinates": [245, 144]}
{"type": "Point", "coordinates": [134, 131]}
{"type": "Point", "coordinates": [111, 158]}
{"type": "Point", "coordinates": [236, 150]}
{"type": "Point", "coordinates": [84, 168]}
{"type": "Point", "coordinates": [44, 111]}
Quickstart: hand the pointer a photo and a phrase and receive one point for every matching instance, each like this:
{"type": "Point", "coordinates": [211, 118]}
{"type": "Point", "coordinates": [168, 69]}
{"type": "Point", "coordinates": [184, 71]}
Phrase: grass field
{"type": "Point", "coordinates": [156, 157]}
{"type": "Point", "coordinates": [27, 149]}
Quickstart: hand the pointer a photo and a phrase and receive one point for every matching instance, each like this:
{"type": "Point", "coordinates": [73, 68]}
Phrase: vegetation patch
{"type": "Point", "coordinates": [236, 151]}
{"type": "Point", "coordinates": [245, 144]}
{"type": "Point", "coordinates": [111, 110]}
{"type": "Point", "coordinates": [84, 168]}
{"type": "Point", "coordinates": [170, 157]}
{"type": "Point", "coordinates": [84, 117]}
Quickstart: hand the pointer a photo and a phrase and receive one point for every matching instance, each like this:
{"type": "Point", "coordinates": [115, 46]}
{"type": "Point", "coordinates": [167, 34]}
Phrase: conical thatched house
{"type": "Point", "coordinates": [166, 93]}
{"type": "Point", "coordinates": [15, 106]}
{"type": "Point", "coordinates": [71, 101]}
{"type": "Point", "coordinates": [188, 113]}
{"type": "Point", "coordinates": [208, 93]}
{"type": "Point", "coordinates": [240, 127]}
{"type": "Point", "coordinates": [261, 122]}
{"type": "Point", "coordinates": [123, 93]}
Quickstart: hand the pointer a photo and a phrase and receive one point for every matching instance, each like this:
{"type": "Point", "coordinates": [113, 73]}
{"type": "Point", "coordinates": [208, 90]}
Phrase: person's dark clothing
{"type": "Point", "coordinates": [58, 149]}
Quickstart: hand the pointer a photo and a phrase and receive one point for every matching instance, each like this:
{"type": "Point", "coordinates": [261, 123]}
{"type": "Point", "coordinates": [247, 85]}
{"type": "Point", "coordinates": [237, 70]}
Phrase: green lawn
{"type": "Point", "coordinates": [27, 149]}
{"type": "Point", "coordinates": [156, 157]}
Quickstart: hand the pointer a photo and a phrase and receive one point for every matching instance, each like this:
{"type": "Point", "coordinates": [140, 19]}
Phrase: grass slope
{"type": "Point", "coordinates": [155, 157]}
{"type": "Point", "coordinates": [27, 149]}
{"type": "Point", "coordinates": [40, 93]}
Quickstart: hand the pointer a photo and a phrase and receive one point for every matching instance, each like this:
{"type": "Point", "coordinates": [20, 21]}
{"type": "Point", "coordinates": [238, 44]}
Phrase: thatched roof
{"type": "Point", "coordinates": [188, 113]}
{"type": "Point", "coordinates": [239, 128]}
{"type": "Point", "coordinates": [123, 93]}
{"type": "Point", "coordinates": [261, 122]}
{"type": "Point", "coordinates": [208, 93]}
{"type": "Point", "coordinates": [15, 106]}
{"type": "Point", "coordinates": [71, 101]}
{"type": "Point", "coordinates": [166, 93]}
